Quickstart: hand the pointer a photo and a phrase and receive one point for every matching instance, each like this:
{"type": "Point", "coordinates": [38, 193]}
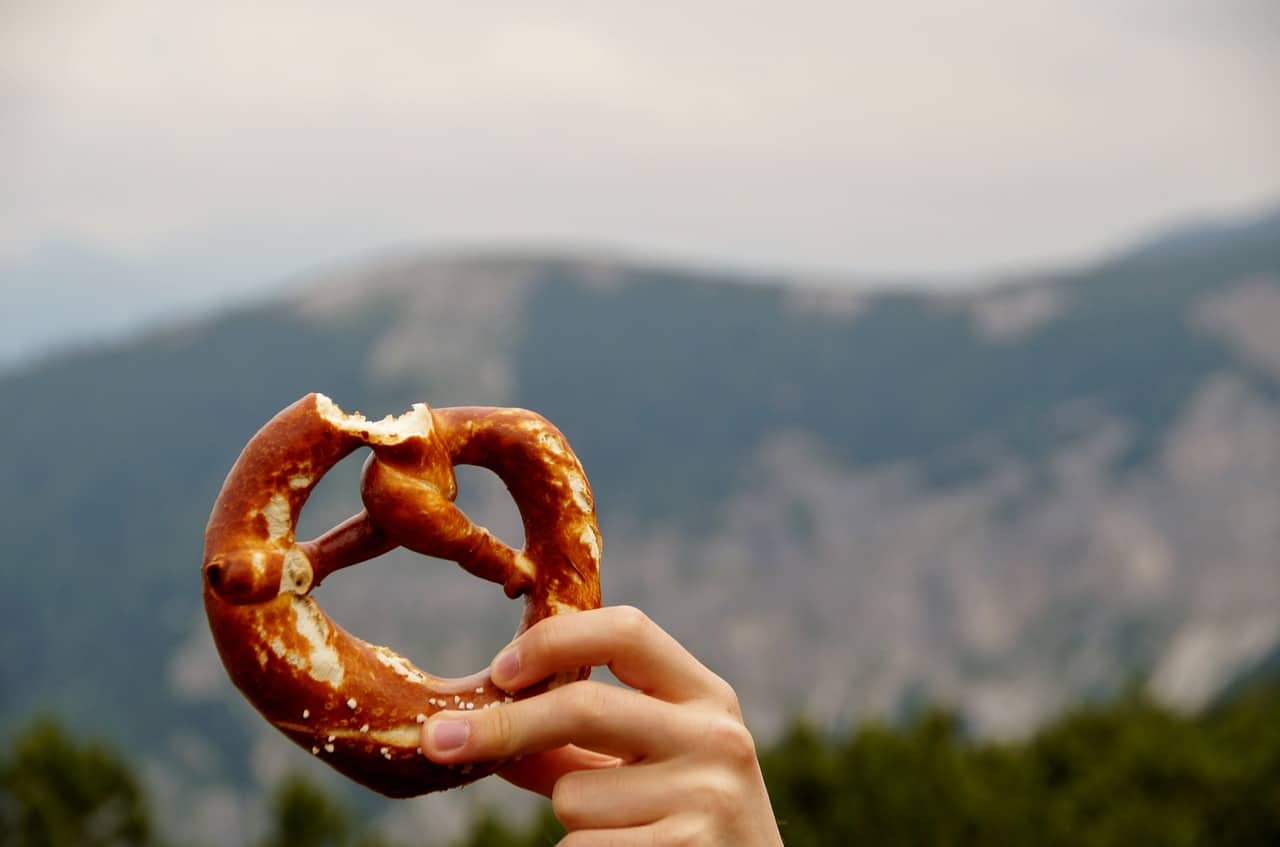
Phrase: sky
{"type": "Point", "coordinates": [159, 155]}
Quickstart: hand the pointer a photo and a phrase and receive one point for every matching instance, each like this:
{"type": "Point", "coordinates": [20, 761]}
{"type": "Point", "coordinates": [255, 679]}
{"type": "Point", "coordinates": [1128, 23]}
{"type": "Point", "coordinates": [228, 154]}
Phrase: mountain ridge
{"type": "Point", "coordinates": [59, 259]}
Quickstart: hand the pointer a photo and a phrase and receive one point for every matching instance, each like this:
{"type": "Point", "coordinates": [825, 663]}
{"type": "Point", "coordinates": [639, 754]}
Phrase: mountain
{"type": "Point", "coordinates": [1008, 500]}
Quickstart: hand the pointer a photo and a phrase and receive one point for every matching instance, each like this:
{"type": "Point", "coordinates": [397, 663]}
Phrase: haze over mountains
{"type": "Point", "coordinates": [66, 293]}
{"type": "Point", "coordinates": [847, 503]}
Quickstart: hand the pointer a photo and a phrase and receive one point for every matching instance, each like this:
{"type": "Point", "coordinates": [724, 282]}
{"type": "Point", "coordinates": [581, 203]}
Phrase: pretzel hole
{"type": "Point", "coordinates": [335, 498]}
{"type": "Point", "coordinates": [431, 611]}
{"type": "Point", "coordinates": [482, 495]}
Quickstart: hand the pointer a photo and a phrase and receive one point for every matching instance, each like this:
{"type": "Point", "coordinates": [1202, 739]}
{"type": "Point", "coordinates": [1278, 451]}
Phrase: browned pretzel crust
{"type": "Point", "coordinates": [356, 705]}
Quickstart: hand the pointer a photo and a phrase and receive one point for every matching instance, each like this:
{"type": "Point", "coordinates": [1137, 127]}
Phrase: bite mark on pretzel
{"type": "Point", "coordinates": [358, 705]}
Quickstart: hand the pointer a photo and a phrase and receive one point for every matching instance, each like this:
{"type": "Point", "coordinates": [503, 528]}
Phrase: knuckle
{"type": "Point", "coordinates": [540, 644]}
{"type": "Point", "coordinates": [732, 742]}
{"type": "Point", "coordinates": [591, 701]}
{"type": "Point", "coordinates": [499, 735]}
{"type": "Point", "coordinates": [717, 794]}
{"type": "Point", "coordinates": [632, 622]}
{"type": "Point", "coordinates": [727, 697]}
{"type": "Point", "coordinates": [533, 644]}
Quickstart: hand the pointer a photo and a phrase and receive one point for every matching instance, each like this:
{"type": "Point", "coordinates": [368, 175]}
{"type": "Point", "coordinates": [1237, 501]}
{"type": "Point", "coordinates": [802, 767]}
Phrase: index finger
{"type": "Point", "coordinates": [638, 652]}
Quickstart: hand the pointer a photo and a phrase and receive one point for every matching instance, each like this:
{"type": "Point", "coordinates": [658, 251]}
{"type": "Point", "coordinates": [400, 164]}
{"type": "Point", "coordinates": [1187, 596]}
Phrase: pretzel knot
{"type": "Point", "coordinates": [354, 704]}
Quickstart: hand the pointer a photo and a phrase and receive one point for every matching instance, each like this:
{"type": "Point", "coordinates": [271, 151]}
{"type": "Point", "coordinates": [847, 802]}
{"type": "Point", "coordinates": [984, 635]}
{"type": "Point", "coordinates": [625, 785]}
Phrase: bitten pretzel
{"type": "Point", "coordinates": [356, 705]}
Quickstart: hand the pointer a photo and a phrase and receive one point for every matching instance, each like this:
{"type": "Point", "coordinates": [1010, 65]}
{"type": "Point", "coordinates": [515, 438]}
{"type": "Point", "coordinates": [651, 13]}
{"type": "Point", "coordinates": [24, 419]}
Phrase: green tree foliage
{"type": "Point", "coordinates": [1124, 773]}
{"type": "Point", "coordinates": [58, 792]}
{"type": "Point", "coordinates": [302, 813]}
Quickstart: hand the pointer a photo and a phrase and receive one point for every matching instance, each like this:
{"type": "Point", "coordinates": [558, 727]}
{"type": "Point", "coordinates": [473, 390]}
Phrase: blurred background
{"type": "Point", "coordinates": [925, 361]}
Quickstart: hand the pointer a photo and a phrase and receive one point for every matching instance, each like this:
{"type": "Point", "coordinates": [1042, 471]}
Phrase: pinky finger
{"type": "Point", "coordinates": [637, 836]}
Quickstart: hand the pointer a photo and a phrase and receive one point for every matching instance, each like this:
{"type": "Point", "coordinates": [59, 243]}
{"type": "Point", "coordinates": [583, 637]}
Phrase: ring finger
{"type": "Point", "coordinates": [632, 795]}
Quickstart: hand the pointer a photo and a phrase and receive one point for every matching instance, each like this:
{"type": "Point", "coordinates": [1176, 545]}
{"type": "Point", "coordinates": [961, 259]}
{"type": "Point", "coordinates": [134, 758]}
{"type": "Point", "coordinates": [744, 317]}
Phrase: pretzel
{"type": "Point", "coordinates": [355, 705]}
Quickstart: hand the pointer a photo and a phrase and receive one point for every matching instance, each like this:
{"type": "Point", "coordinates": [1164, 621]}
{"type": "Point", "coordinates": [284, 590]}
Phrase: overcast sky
{"type": "Point", "coordinates": [889, 138]}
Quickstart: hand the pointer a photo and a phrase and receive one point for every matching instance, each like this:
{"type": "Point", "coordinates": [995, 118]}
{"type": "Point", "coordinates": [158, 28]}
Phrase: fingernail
{"type": "Point", "coordinates": [448, 735]}
{"type": "Point", "coordinates": [506, 666]}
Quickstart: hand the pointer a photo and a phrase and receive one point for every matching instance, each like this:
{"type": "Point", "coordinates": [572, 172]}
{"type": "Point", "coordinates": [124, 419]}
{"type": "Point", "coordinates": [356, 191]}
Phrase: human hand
{"type": "Point", "coordinates": [666, 761]}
